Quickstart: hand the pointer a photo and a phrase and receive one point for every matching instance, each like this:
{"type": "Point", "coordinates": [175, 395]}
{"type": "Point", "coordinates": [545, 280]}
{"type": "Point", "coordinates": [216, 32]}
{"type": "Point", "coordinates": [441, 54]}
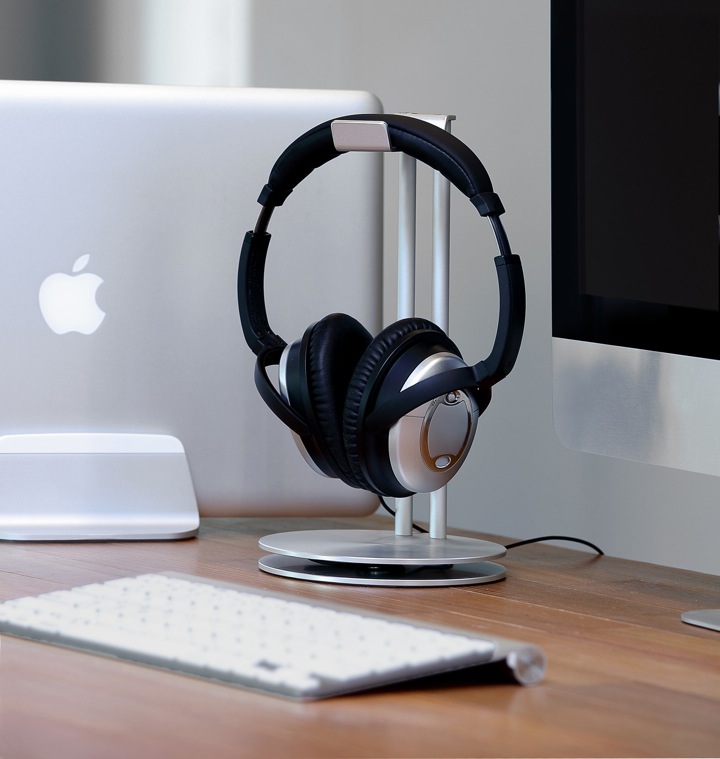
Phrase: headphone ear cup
{"type": "Point", "coordinates": [316, 379]}
{"type": "Point", "coordinates": [362, 385]}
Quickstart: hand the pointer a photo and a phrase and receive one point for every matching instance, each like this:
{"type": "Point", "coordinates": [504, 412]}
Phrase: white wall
{"type": "Point", "coordinates": [487, 61]}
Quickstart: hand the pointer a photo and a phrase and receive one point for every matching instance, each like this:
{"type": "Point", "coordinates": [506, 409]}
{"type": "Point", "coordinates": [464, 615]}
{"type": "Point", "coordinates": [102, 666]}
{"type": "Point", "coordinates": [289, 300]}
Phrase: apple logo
{"type": "Point", "coordinates": [67, 301]}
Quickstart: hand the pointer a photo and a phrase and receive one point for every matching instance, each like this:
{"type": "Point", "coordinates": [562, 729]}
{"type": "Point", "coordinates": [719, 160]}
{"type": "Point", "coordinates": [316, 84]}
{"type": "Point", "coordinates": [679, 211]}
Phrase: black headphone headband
{"type": "Point", "coordinates": [446, 154]}
{"type": "Point", "coordinates": [428, 143]}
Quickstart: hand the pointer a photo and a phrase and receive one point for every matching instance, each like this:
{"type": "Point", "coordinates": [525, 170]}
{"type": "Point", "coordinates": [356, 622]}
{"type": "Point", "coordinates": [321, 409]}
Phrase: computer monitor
{"type": "Point", "coordinates": [636, 282]}
{"type": "Point", "coordinates": [144, 193]}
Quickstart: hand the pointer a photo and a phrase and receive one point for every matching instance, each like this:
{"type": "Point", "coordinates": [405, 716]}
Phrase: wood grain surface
{"type": "Point", "coordinates": [625, 676]}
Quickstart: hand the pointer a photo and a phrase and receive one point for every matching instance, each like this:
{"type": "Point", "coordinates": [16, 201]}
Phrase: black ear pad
{"type": "Point", "coordinates": [372, 364]}
{"type": "Point", "coordinates": [333, 346]}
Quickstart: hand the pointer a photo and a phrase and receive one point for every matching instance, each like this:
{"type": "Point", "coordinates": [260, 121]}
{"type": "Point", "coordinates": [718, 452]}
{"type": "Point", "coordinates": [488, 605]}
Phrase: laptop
{"type": "Point", "coordinates": [124, 209]}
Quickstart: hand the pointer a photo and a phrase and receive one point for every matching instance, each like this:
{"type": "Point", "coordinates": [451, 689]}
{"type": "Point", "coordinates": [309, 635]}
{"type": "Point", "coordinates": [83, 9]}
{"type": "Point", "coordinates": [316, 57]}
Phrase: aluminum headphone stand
{"type": "Point", "coordinates": [383, 557]}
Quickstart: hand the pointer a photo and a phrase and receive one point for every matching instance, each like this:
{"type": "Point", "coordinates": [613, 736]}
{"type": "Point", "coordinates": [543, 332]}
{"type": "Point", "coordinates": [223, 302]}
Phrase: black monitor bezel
{"type": "Point", "coordinates": [578, 316]}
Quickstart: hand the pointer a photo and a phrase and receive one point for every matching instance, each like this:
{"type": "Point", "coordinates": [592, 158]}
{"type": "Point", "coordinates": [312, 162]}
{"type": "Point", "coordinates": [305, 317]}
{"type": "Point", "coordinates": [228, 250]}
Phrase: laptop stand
{"type": "Point", "coordinates": [94, 487]}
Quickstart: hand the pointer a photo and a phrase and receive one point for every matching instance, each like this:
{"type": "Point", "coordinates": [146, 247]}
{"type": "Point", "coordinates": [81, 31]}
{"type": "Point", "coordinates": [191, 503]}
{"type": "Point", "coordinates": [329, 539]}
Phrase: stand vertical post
{"type": "Point", "coordinates": [440, 308]}
{"type": "Point", "coordinates": [407, 225]}
{"type": "Point", "coordinates": [440, 305]}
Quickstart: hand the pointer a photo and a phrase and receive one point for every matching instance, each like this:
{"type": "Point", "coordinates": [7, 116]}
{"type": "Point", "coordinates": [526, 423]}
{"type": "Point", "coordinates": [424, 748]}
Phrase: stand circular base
{"type": "Point", "coordinates": [390, 576]}
{"type": "Point", "coordinates": [380, 547]}
{"type": "Point", "coordinates": [380, 557]}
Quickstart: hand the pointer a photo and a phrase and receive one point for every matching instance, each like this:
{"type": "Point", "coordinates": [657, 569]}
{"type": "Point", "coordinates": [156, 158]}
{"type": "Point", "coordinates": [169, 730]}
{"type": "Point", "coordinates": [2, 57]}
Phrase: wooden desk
{"type": "Point", "coordinates": [626, 677]}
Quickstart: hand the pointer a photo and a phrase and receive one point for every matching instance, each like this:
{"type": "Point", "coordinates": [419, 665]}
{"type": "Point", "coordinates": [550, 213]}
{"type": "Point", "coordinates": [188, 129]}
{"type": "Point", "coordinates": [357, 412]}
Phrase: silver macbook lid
{"type": "Point", "coordinates": [138, 197]}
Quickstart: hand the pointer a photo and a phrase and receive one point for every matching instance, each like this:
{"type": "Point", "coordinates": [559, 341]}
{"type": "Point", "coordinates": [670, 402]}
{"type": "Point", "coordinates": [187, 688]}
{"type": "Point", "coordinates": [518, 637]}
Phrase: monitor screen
{"type": "Point", "coordinates": [635, 200]}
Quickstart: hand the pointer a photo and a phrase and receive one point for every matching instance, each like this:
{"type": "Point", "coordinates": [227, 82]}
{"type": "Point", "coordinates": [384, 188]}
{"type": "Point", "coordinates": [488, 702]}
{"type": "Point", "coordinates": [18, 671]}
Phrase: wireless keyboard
{"type": "Point", "coordinates": [246, 637]}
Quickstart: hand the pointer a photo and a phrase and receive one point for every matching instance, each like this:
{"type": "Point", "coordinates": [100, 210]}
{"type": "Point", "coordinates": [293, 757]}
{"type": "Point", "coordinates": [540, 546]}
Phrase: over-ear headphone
{"type": "Point", "coordinates": [395, 414]}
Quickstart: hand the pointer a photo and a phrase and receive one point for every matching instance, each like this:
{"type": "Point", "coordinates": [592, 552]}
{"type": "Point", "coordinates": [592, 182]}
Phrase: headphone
{"type": "Point", "coordinates": [394, 414]}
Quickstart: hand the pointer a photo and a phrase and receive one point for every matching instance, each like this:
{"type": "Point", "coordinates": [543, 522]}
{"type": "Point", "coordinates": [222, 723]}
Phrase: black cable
{"type": "Point", "coordinates": [556, 537]}
{"type": "Point", "coordinates": [518, 543]}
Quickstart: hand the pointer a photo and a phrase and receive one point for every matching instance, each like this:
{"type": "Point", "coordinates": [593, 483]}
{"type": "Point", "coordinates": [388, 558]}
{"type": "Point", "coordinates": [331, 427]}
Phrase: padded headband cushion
{"type": "Point", "coordinates": [335, 345]}
{"type": "Point", "coordinates": [417, 138]}
{"type": "Point", "coordinates": [377, 352]}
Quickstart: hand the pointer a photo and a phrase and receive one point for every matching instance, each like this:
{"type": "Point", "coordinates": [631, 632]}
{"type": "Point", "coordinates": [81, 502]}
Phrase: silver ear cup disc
{"type": "Point", "coordinates": [427, 446]}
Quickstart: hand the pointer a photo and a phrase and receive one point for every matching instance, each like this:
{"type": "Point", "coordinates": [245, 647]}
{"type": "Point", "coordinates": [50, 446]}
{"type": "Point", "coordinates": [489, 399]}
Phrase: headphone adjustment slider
{"type": "Point", "coordinates": [364, 136]}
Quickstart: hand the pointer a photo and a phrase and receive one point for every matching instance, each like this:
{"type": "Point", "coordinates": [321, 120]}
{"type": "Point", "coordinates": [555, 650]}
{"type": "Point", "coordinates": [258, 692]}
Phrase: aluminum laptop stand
{"type": "Point", "coordinates": [95, 486]}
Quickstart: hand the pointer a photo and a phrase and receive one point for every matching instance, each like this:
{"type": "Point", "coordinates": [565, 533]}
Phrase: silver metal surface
{"type": "Point", "coordinates": [527, 664]}
{"type": "Point", "coordinates": [640, 405]}
{"type": "Point", "coordinates": [407, 213]}
{"type": "Point", "coordinates": [440, 300]}
{"type": "Point", "coordinates": [158, 185]}
{"type": "Point", "coordinates": [95, 487]}
{"type": "Point", "coordinates": [440, 120]}
{"type": "Point", "coordinates": [361, 136]}
{"type": "Point", "coordinates": [708, 618]}
{"type": "Point", "coordinates": [407, 236]}
{"type": "Point", "coordinates": [379, 547]}
{"type": "Point", "coordinates": [397, 576]}
{"type": "Point", "coordinates": [427, 446]}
